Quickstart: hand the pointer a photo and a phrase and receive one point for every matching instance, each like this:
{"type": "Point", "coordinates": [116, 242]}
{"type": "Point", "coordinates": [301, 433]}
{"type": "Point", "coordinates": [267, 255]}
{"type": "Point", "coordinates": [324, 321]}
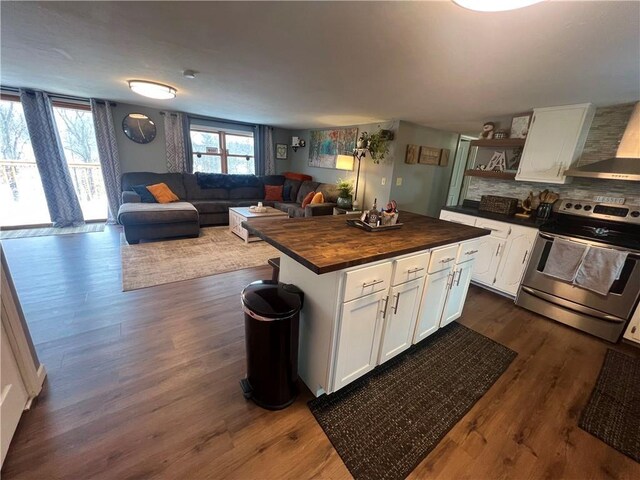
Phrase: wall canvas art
{"type": "Point", "coordinates": [326, 145]}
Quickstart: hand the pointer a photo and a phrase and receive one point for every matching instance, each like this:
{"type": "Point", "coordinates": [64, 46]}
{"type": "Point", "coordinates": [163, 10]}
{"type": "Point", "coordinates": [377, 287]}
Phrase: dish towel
{"type": "Point", "coordinates": [564, 259]}
{"type": "Point", "coordinates": [599, 269]}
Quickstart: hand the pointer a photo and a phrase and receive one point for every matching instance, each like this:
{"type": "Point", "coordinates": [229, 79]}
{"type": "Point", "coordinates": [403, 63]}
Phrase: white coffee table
{"type": "Point", "coordinates": [237, 215]}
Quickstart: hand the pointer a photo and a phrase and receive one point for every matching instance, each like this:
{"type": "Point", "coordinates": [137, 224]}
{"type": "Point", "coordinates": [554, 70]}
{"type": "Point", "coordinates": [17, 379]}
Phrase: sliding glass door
{"type": "Point", "coordinates": [21, 193]}
{"type": "Point", "coordinates": [75, 125]}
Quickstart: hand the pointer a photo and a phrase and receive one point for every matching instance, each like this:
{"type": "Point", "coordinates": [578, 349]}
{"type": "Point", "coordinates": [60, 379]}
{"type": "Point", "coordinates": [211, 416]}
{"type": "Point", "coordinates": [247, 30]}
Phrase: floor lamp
{"type": "Point", "coordinates": [346, 162]}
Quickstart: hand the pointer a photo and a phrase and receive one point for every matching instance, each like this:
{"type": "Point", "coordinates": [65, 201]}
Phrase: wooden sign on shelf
{"type": "Point", "coordinates": [434, 156]}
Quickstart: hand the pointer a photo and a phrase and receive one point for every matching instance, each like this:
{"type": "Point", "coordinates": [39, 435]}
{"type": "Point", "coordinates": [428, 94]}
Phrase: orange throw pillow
{"type": "Point", "coordinates": [317, 198]}
{"type": "Point", "coordinates": [273, 193]}
{"type": "Point", "coordinates": [162, 193]}
{"type": "Point", "coordinates": [307, 199]}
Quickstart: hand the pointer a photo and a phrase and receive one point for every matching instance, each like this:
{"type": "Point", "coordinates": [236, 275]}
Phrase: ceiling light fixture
{"type": "Point", "coordinates": [494, 5]}
{"type": "Point", "coordinates": [152, 89]}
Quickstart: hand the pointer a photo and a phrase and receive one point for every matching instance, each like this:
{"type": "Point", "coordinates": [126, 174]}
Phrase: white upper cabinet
{"type": "Point", "coordinates": [554, 142]}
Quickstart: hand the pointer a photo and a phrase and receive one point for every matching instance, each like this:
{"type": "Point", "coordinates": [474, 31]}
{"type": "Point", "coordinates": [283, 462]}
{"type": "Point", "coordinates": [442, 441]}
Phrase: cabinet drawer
{"type": "Point", "coordinates": [442, 258]}
{"type": "Point", "coordinates": [467, 251]}
{"type": "Point", "coordinates": [498, 229]}
{"type": "Point", "coordinates": [457, 218]}
{"type": "Point", "coordinates": [365, 281]}
{"type": "Point", "coordinates": [410, 268]}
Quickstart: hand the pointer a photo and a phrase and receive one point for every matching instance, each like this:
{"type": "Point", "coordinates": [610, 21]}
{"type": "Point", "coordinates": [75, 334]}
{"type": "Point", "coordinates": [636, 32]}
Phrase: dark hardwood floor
{"type": "Point", "coordinates": [144, 384]}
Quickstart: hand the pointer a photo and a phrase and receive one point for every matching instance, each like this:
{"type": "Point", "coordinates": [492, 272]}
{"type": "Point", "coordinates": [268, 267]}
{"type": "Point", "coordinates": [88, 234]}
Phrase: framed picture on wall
{"type": "Point", "coordinates": [281, 151]}
{"type": "Point", "coordinates": [413, 151]}
{"type": "Point", "coordinates": [520, 125]}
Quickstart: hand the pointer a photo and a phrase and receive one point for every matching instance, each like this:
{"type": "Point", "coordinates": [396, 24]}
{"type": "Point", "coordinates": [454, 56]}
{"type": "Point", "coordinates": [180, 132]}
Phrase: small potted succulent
{"type": "Point", "coordinates": [345, 189]}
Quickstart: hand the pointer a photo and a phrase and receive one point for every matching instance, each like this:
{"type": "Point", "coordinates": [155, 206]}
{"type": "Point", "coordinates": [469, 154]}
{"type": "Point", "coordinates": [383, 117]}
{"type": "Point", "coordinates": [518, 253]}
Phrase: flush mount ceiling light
{"type": "Point", "coordinates": [494, 5]}
{"type": "Point", "coordinates": [152, 89]}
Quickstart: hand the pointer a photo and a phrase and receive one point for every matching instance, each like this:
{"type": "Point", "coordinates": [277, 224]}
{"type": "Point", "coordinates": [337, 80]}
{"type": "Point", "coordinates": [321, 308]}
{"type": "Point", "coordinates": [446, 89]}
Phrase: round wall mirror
{"type": "Point", "coordinates": [139, 128]}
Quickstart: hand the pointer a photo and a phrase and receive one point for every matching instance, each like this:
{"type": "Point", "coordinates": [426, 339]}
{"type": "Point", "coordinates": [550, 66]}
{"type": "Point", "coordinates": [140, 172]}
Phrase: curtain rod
{"type": "Point", "coordinates": [59, 96]}
{"type": "Point", "coordinates": [222, 120]}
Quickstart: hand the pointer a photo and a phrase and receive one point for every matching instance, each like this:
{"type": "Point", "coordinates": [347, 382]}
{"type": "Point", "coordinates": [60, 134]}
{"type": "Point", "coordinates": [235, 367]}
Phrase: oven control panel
{"type": "Point", "coordinates": [606, 211]}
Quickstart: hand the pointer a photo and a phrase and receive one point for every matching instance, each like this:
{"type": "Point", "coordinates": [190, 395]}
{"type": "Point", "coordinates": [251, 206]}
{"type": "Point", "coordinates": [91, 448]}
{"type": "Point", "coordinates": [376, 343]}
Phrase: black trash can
{"type": "Point", "coordinates": [271, 322]}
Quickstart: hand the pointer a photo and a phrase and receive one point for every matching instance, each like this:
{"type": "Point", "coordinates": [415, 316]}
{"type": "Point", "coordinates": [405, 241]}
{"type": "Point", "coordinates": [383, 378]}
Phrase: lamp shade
{"type": "Point", "coordinates": [344, 162]}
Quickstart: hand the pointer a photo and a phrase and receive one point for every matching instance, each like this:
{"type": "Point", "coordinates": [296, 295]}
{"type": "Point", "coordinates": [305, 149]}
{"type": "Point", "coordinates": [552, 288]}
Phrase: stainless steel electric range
{"type": "Point", "coordinates": [602, 225]}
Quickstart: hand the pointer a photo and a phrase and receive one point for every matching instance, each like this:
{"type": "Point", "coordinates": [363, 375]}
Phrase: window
{"type": "Point", "coordinates": [220, 151]}
{"type": "Point", "coordinates": [21, 193]}
{"type": "Point", "coordinates": [75, 125]}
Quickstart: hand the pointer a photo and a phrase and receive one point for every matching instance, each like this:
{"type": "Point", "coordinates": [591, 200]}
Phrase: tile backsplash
{"type": "Point", "coordinates": [582, 188]}
{"type": "Point", "coordinates": [602, 142]}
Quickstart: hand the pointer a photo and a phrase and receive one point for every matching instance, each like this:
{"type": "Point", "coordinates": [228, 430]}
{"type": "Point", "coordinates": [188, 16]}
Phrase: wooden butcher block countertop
{"type": "Point", "coordinates": [326, 243]}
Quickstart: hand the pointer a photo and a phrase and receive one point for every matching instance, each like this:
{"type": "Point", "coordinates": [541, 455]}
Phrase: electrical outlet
{"type": "Point", "coordinates": [614, 200]}
{"type": "Point", "coordinates": [384, 180]}
{"type": "Point", "coordinates": [398, 181]}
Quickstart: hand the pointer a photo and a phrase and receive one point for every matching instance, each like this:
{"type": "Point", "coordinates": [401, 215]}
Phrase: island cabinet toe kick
{"type": "Point", "coordinates": [360, 317]}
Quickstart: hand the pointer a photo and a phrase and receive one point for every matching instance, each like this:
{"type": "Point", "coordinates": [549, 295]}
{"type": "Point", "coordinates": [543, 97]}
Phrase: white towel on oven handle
{"type": "Point", "coordinates": [600, 267]}
{"type": "Point", "coordinates": [565, 257]}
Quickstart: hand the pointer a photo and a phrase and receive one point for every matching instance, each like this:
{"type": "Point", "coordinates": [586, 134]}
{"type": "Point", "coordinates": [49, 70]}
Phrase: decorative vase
{"type": "Point", "coordinates": [344, 202]}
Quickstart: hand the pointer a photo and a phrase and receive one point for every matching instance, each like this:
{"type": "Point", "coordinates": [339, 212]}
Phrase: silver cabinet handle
{"type": "Point", "coordinates": [384, 310]}
{"type": "Point", "coordinates": [446, 260]}
{"type": "Point", "coordinates": [371, 284]}
{"type": "Point", "coordinates": [471, 252]}
{"type": "Point", "coordinates": [559, 168]}
{"type": "Point", "coordinates": [498, 250]}
{"type": "Point", "coordinates": [395, 307]}
{"type": "Point", "coordinates": [450, 278]}
{"type": "Point", "coordinates": [459, 275]}
{"type": "Point", "coordinates": [524, 259]}
{"type": "Point", "coordinates": [414, 270]}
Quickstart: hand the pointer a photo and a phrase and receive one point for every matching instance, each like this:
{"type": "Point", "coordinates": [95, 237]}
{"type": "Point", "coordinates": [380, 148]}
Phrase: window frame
{"type": "Point", "coordinates": [223, 152]}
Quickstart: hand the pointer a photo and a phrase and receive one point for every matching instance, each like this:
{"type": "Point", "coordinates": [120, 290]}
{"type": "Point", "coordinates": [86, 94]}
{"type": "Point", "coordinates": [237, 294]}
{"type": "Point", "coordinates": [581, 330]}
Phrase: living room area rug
{"type": "Point", "coordinates": [217, 250]}
{"type": "Point", "coordinates": [385, 423]}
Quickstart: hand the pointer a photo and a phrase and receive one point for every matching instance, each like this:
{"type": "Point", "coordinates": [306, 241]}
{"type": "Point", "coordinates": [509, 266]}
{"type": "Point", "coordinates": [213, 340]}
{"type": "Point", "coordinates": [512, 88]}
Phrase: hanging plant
{"type": "Point", "coordinates": [378, 144]}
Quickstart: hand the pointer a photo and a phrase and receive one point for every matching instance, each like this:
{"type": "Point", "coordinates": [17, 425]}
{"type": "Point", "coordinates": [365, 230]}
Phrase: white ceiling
{"type": "Point", "coordinates": [314, 64]}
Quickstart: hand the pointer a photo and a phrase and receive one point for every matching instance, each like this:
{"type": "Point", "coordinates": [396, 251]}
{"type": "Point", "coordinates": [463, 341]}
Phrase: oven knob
{"type": "Point", "coordinates": [568, 205]}
{"type": "Point", "coordinates": [635, 214]}
{"type": "Point", "coordinates": [577, 206]}
{"type": "Point", "coordinates": [587, 208]}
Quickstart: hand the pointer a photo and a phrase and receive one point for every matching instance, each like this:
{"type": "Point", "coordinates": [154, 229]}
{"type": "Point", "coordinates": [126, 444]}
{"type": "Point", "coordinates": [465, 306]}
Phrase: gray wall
{"type": "Point", "coordinates": [134, 157]}
{"type": "Point", "coordinates": [281, 135]}
{"type": "Point", "coordinates": [424, 187]}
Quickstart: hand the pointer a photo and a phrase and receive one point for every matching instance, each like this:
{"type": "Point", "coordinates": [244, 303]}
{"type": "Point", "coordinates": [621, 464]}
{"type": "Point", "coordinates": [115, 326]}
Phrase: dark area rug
{"type": "Point", "coordinates": [386, 422]}
{"type": "Point", "coordinates": [613, 411]}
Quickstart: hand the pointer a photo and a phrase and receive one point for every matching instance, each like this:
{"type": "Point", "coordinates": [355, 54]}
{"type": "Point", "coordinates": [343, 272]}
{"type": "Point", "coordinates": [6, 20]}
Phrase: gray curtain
{"type": "Point", "coordinates": [265, 156]}
{"type": "Point", "coordinates": [176, 132]}
{"type": "Point", "coordinates": [108, 153]}
{"type": "Point", "coordinates": [62, 201]}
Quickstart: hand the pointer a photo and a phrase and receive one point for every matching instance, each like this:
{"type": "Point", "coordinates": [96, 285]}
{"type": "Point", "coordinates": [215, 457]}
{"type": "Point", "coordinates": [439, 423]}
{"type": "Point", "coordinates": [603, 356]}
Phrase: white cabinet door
{"type": "Point", "coordinates": [514, 260]}
{"type": "Point", "coordinates": [401, 317]}
{"type": "Point", "coordinates": [13, 393]}
{"type": "Point", "coordinates": [434, 296]}
{"type": "Point", "coordinates": [554, 142]}
{"type": "Point", "coordinates": [457, 293]}
{"type": "Point", "coordinates": [487, 259]}
{"type": "Point", "coordinates": [456, 217]}
{"type": "Point", "coordinates": [359, 338]}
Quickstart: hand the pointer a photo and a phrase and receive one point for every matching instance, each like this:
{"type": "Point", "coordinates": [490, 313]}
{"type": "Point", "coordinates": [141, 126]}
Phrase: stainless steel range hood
{"type": "Point", "coordinates": [626, 164]}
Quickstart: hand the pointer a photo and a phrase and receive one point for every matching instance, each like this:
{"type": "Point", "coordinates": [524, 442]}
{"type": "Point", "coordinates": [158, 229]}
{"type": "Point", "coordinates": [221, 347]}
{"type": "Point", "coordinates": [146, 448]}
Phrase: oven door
{"type": "Point", "coordinates": [619, 302]}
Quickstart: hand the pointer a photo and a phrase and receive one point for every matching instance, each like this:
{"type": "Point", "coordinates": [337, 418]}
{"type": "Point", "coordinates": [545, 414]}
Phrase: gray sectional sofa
{"type": "Point", "coordinates": [205, 200]}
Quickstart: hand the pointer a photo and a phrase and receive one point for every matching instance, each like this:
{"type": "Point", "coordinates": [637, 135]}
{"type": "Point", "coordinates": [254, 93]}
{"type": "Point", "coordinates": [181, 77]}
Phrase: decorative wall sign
{"type": "Point", "coordinates": [429, 155]}
{"type": "Point", "coordinates": [281, 151]}
{"type": "Point", "coordinates": [520, 126]}
{"type": "Point", "coordinates": [444, 157]}
{"type": "Point", "coordinates": [326, 145]}
{"type": "Point", "coordinates": [413, 152]}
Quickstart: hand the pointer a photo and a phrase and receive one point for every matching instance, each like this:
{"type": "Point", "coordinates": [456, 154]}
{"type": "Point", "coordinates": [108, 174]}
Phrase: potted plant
{"type": "Point", "coordinates": [378, 144]}
{"type": "Point", "coordinates": [345, 189]}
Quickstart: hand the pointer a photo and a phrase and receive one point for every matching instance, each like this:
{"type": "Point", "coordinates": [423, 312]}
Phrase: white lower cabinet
{"type": "Point", "coordinates": [433, 298]}
{"type": "Point", "coordinates": [514, 259]}
{"type": "Point", "coordinates": [400, 319]}
{"type": "Point", "coordinates": [486, 265]}
{"type": "Point", "coordinates": [458, 288]}
{"type": "Point", "coordinates": [359, 337]}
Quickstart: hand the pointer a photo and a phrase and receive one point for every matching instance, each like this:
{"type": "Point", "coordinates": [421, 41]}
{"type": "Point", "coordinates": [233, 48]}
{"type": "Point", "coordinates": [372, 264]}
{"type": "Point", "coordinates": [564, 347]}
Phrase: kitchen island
{"type": "Point", "coordinates": [369, 295]}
